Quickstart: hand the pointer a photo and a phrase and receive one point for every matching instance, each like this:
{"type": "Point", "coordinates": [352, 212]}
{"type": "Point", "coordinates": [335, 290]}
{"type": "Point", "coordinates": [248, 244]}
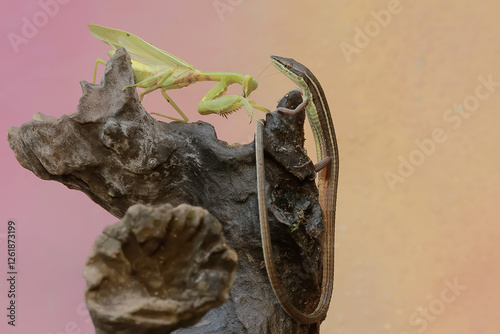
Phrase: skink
{"type": "Point", "coordinates": [318, 113]}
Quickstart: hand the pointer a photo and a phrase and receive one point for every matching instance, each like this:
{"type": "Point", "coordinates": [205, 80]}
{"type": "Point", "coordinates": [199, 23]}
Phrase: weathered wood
{"type": "Point", "coordinates": [117, 154]}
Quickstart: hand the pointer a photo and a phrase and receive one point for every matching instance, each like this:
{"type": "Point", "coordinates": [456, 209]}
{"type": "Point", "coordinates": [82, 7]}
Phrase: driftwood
{"type": "Point", "coordinates": [139, 282]}
{"type": "Point", "coordinates": [117, 154]}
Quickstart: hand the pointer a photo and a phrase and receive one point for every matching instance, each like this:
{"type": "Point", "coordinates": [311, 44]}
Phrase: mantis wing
{"type": "Point", "coordinates": [138, 49]}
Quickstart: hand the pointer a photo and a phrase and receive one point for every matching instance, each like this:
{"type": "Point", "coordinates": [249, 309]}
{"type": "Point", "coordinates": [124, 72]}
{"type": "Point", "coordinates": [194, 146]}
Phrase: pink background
{"type": "Point", "coordinates": [398, 248]}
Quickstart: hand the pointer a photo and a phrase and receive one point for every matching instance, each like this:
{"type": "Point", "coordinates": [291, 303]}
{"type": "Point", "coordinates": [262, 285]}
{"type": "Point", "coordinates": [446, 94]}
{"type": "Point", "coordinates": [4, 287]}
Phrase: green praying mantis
{"type": "Point", "coordinates": [158, 69]}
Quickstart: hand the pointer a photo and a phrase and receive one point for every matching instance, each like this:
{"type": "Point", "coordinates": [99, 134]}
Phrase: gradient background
{"type": "Point", "coordinates": [396, 247]}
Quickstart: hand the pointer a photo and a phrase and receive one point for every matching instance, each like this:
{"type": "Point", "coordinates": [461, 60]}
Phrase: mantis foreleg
{"type": "Point", "coordinates": [213, 103]}
{"type": "Point", "coordinates": [227, 104]}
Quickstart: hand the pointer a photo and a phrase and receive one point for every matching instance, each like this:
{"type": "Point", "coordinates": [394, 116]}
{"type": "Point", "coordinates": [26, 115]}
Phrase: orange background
{"type": "Point", "coordinates": [400, 244]}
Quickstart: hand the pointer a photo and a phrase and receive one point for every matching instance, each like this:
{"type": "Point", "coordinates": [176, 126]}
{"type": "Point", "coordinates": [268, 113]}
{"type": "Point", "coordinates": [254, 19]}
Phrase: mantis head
{"type": "Point", "coordinates": [249, 85]}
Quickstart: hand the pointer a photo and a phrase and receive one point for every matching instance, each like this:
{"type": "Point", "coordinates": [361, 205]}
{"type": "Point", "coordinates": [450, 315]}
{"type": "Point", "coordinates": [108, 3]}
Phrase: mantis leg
{"type": "Point", "coordinates": [144, 92]}
{"type": "Point", "coordinates": [98, 61]}
{"type": "Point", "coordinates": [151, 83]}
{"type": "Point", "coordinates": [169, 100]}
{"type": "Point", "coordinates": [155, 82]}
{"type": "Point", "coordinates": [227, 104]}
{"type": "Point", "coordinates": [216, 92]}
{"type": "Point", "coordinates": [213, 103]}
{"type": "Point", "coordinates": [258, 107]}
{"type": "Point", "coordinates": [247, 103]}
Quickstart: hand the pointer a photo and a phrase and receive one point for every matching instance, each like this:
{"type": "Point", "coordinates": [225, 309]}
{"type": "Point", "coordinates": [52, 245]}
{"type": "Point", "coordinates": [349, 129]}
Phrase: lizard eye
{"type": "Point", "coordinates": [288, 65]}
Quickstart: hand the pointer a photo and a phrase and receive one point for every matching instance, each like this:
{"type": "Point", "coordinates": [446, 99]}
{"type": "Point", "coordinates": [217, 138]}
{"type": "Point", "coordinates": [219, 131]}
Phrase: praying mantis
{"type": "Point", "coordinates": [157, 69]}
